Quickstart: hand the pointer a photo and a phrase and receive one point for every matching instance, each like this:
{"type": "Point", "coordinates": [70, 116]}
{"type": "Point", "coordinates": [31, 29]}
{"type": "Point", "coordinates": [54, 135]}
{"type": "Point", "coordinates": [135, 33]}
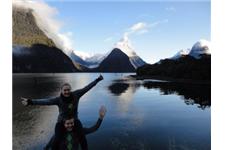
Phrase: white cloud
{"type": "Point", "coordinates": [143, 27]}
{"type": "Point", "coordinates": [45, 17]}
{"type": "Point", "coordinates": [138, 26]}
{"type": "Point", "coordinates": [125, 45]}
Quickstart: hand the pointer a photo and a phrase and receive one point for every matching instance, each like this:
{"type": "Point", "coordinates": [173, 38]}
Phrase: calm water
{"type": "Point", "coordinates": [141, 115]}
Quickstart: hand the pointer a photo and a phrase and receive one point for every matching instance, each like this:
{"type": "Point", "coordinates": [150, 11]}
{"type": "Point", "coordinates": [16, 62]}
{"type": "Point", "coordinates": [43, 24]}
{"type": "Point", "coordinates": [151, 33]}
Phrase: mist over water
{"type": "Point", "coordinates": [141, 115]}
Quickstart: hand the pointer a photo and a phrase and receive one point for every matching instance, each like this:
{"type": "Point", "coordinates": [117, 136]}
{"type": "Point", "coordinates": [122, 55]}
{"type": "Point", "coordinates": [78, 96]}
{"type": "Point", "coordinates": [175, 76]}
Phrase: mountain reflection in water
{"type": "Point", "coordinates": [191, 93]}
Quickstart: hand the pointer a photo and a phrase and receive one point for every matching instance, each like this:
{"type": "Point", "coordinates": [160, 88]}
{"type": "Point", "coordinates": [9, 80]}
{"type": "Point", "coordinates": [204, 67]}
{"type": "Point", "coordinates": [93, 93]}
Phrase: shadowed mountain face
{"type": "Point", "coordinates": [116, 61]}
{"type": "Point", "coordinates": [25, 29]}
{"type": "Point", "coordinates": [41, 59]}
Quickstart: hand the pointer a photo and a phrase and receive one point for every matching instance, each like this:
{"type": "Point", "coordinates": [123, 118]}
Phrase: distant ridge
{"type": "Point", "coordinates": [186, 67]}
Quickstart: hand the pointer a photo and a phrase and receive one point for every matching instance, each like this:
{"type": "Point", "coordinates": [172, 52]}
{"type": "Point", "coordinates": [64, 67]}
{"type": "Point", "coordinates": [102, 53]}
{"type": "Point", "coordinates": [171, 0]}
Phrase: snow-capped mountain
{"type": "Point", "coordinates": [199, 48]}
{"type": "Point", "coordinates": [87, 60]}
{"type": "Point", "coordinates": [77, 58]}
{"type": "Point", "coordinates": [181, 53]}
{"type": "Point", "coordinates": [93, 61]}
{"type": "Point", "coordinates": [125, 46]}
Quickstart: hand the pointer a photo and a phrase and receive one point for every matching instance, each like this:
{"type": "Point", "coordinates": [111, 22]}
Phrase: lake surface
{"type": "Point", "coordinates": [141, 115]}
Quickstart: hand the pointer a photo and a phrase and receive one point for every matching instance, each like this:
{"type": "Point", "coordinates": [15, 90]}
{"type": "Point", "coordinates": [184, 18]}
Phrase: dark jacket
{"type": "Point", "coordinates": [62, 105]}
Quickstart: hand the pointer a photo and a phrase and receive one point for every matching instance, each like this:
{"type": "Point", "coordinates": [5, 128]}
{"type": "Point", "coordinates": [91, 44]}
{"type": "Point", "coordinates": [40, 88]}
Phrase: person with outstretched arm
{"type": "Point", "coordinates": [67, 102]}
{"type": "Point", "coordinates": [66, 134]}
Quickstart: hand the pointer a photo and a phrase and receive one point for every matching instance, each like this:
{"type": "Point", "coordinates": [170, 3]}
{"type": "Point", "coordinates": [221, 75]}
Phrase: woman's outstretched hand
{"type": "Point", "coordinates": [24, 101]}
{"type": "Point", "coordinates": [100, 77]}
{"type": "Point", "coordinates": [102, 112]}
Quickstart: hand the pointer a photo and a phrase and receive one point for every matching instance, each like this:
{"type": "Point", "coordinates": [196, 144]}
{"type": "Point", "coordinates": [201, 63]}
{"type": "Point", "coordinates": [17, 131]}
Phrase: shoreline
{"type": "Point", "coordinates": [189, 81]}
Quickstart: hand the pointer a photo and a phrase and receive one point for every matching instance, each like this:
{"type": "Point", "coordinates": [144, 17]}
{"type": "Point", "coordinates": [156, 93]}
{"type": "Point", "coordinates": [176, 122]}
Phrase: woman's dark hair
{"type": "Point", "coordinates": [67, 116]}
{"type": "Point", "coordinates": [65, 84]}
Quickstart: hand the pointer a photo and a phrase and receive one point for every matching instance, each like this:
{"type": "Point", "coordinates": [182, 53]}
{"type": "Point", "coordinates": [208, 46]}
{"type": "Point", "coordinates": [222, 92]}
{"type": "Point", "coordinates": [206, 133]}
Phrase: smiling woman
{"type": "Point", "coordinates": [66, 89]}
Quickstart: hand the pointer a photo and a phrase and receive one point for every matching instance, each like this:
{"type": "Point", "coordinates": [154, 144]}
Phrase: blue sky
{"type": "Point", "coordinates": [95, 27]}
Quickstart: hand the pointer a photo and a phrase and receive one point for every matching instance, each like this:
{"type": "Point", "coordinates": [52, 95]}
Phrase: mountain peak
{"type": "Point", "coordinates": [181, 53]}
{"type": "Point", "coordinates": [200, 47]}
{"type": "Point", "coordinates": [125, 45]}
{"type": "Point", "coordinates": [116, 61]}
{"type": "Point", "coordinates": [117, 50]}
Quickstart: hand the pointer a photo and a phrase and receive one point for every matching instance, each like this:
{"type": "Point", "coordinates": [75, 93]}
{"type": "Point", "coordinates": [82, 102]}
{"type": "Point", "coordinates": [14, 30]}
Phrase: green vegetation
{"type": "Point", "coordinates": [25, 29]}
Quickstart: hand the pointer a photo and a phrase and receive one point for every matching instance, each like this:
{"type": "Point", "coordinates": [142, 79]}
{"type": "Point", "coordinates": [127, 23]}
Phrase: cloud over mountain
{"type": "Point", "coordinates": [45, 18]}
{"type": "Point", "coordinates": [200, 47]}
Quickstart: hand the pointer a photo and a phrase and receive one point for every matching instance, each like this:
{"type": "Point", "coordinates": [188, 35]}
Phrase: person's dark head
{"type": "Point", "coordinates": [66, 89]}
{"type": "Point", "coordinates": [68, 122]}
